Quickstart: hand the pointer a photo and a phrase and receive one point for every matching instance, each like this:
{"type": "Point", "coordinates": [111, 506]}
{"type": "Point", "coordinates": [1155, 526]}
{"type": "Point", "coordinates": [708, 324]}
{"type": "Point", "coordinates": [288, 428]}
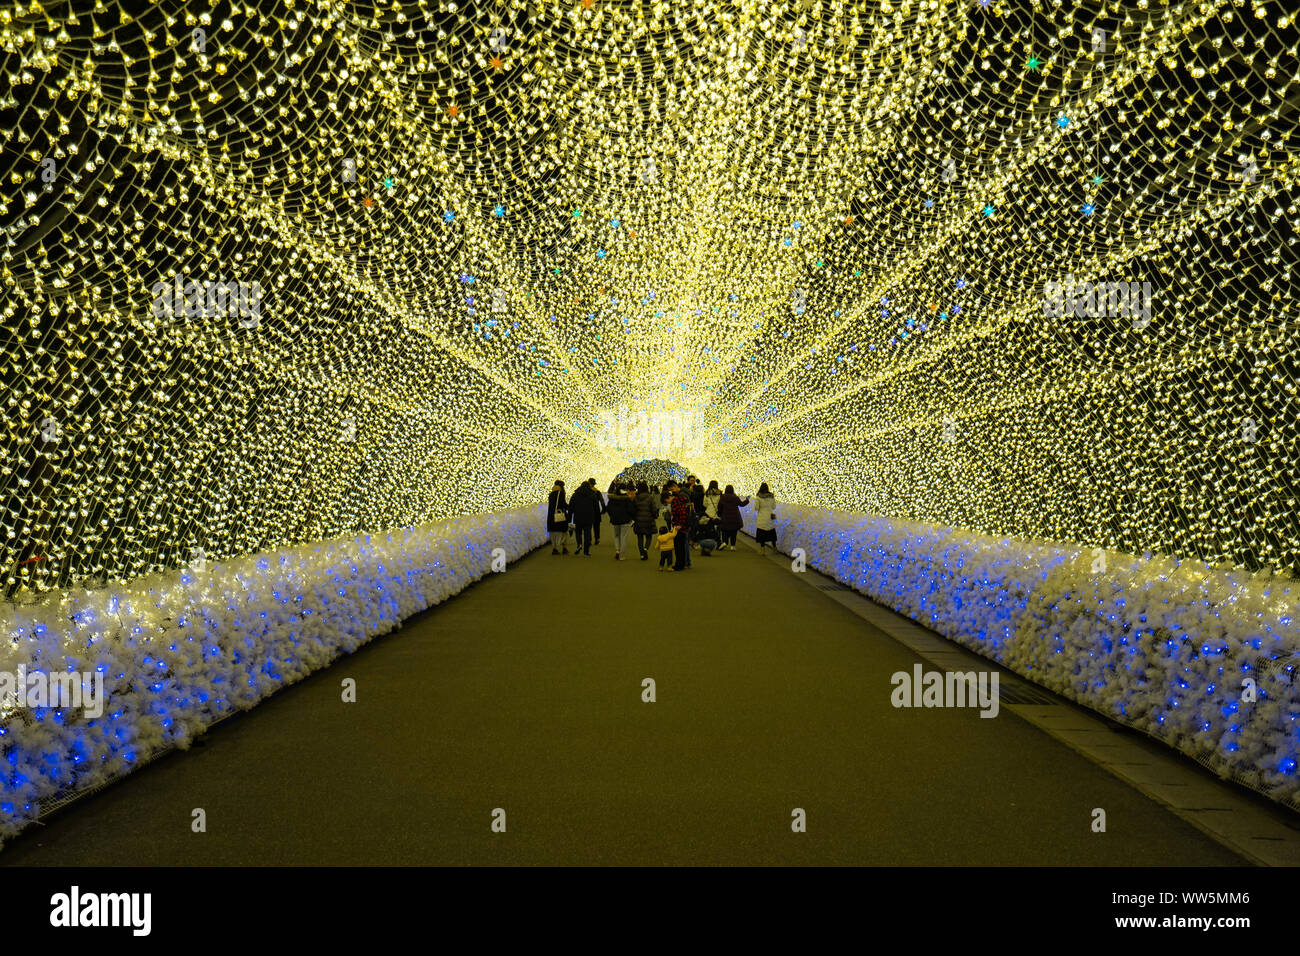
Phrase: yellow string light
{"type": "Point", "coordinates": [441, 246]}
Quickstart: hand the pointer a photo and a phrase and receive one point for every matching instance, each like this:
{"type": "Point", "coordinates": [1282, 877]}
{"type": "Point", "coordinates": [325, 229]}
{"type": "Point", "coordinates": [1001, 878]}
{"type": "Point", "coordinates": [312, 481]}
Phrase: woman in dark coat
{"type": "Point", "coordinates": [557, 518]}
{"type": "Point", "coordinates": [643, 518]}
{"type": "Point", "coordinates": [584, 512]}
{"type": "Point", "coordinates": [731, 521]}
{"type": "Point", "coordinates": [621, 510]}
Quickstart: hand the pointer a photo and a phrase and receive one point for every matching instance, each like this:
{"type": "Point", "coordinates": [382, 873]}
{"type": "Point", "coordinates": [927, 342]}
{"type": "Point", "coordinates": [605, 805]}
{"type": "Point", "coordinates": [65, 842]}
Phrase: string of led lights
{"type": "Point", "coordinates": [280, 271]}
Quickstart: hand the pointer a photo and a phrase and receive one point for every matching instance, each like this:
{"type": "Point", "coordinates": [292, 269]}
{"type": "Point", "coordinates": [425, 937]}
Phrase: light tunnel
{"type": "Point", "coordinates": [307, 305]}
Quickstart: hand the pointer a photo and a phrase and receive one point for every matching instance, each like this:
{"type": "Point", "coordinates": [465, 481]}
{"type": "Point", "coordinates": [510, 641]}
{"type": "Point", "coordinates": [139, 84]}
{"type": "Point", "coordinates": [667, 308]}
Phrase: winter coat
{"type": "Point", "coordinates": [731, 505]}
{"type": "Point", "coordinates": [619, 508]}
{"type": "Point", "coordinates": [711, 503]}
{"type": "Point", "coordinates": [697, 498]}
{"type": "Point", "coordinates": [683, 516]}
{"type": "Point", "coordinates": [764, 506]}
{"type": "Point", "coordinates": [645, 511]}
{"type": "Point", "coordinates": [583, 507]}
{"type": "Point", "coordinates": [556, 503]}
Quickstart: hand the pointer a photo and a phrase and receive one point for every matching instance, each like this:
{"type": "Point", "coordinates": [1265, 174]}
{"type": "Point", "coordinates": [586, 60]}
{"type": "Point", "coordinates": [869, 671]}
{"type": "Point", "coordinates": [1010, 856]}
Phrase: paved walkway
{"type": "Point", "coordinates": [525, 693]}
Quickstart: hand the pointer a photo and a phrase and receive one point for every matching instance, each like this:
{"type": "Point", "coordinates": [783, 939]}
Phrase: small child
{"type": "Point", "coordinates": [666, 535]}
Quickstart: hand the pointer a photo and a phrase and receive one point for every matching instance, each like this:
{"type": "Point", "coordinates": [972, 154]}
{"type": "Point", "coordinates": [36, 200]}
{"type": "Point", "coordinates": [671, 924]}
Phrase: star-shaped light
{"type": "Point", "coordinates": [448, 215]}
{"type": "Point", "coordinates": [1088, 208]}
{"type": "Point", "coordinates": [989, 210]}
{"type": "Point", "coordinates": [929, 203]}
{"type": "Point", "coordinates": [600, 253]}
{"type": "Point", "coordinates": [388, 182]}
{"type": "Point", "coordinates": [499, 211]}
{"type": "Point", "coordinates": [1034, 63]}
{"type": "Point", "coordinates": [614, 223]}
{"type": "Point", "coordinates": [1063, 121]}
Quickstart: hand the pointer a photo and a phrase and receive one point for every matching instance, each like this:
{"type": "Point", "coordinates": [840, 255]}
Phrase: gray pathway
{"type": "Point", "coordinates": [525, 693]}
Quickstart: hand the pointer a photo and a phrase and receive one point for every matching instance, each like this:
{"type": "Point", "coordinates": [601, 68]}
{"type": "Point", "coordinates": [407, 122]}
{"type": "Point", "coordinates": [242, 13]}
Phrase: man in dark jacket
{"type": "Point", "coordinates": [600, 507]}
{"type": "Point", "coordinates": [697, 494]}
{"type": "Point", "coordinates": [583, 511]}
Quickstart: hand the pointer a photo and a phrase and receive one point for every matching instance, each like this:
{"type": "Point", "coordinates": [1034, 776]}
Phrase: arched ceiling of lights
{"type": "Point", "coordinates": [815, 234]}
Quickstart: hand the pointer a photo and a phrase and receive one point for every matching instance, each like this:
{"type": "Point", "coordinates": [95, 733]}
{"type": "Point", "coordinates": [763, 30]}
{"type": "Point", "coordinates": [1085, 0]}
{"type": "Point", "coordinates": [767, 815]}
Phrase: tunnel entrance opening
{"type": "Point", "coordinates": [653, 471]}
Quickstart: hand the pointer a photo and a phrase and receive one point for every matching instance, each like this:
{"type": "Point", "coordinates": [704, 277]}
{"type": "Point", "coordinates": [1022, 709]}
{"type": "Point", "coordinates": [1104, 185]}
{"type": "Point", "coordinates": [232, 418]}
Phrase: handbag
{"type": "Point", "coordinates": [561, 517]}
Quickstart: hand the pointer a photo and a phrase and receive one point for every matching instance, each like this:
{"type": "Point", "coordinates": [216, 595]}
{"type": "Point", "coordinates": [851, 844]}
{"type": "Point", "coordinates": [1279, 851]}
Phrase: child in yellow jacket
{"type": "Point", "coordinates": [665, 540]}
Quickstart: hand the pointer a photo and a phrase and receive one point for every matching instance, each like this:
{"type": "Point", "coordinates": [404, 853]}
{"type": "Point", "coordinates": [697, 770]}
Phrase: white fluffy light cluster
{"type": "Point", "coordinates": [1162, 645]}
{"type": "Point", "coordinates": [181, 649]}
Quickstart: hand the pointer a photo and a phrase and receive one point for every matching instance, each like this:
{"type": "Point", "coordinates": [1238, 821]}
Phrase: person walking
{"type": "Point", "coordinates": [583, 512]}
{"type": "Point", "coordinates": [682, 520]}
{"type": "Point", "coordinates": [765, 517]}
{"type": "Point", "coordinates": [712, 502]}
{"type": "Point", "coordinates": [696, 494]}
{"type": "Point", "coordinates": [557, 518]}
{"type": "Point", "coordinates": [730, 504]}
{"type": "Point", "coordinates": [600, 509]}
{"type": "Point", "coordinates": [644, 518]}
{"type": "Point", "coordinates": [621, 511]}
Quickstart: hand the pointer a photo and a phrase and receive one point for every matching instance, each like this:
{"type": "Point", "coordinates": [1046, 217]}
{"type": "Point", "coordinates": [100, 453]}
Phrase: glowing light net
{"type": "Point", "coordinates": [275, 272]}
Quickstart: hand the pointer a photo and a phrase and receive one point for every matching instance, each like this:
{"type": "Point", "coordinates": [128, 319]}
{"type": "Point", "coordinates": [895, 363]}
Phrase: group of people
{"type": "Point", "coordinates": [673, 521]}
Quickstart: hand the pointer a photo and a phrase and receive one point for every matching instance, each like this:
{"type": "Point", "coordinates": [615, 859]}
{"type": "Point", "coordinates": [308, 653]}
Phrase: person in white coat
{"type": "Point", "coordinates": [713, 509]}
{"type": "Point", "coordinates": [765, 517]}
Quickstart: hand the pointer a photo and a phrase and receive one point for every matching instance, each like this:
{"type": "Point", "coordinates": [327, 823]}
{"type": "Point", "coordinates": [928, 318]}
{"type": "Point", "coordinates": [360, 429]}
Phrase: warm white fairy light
{"type": "Point", "coordinates": [823, 227]}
